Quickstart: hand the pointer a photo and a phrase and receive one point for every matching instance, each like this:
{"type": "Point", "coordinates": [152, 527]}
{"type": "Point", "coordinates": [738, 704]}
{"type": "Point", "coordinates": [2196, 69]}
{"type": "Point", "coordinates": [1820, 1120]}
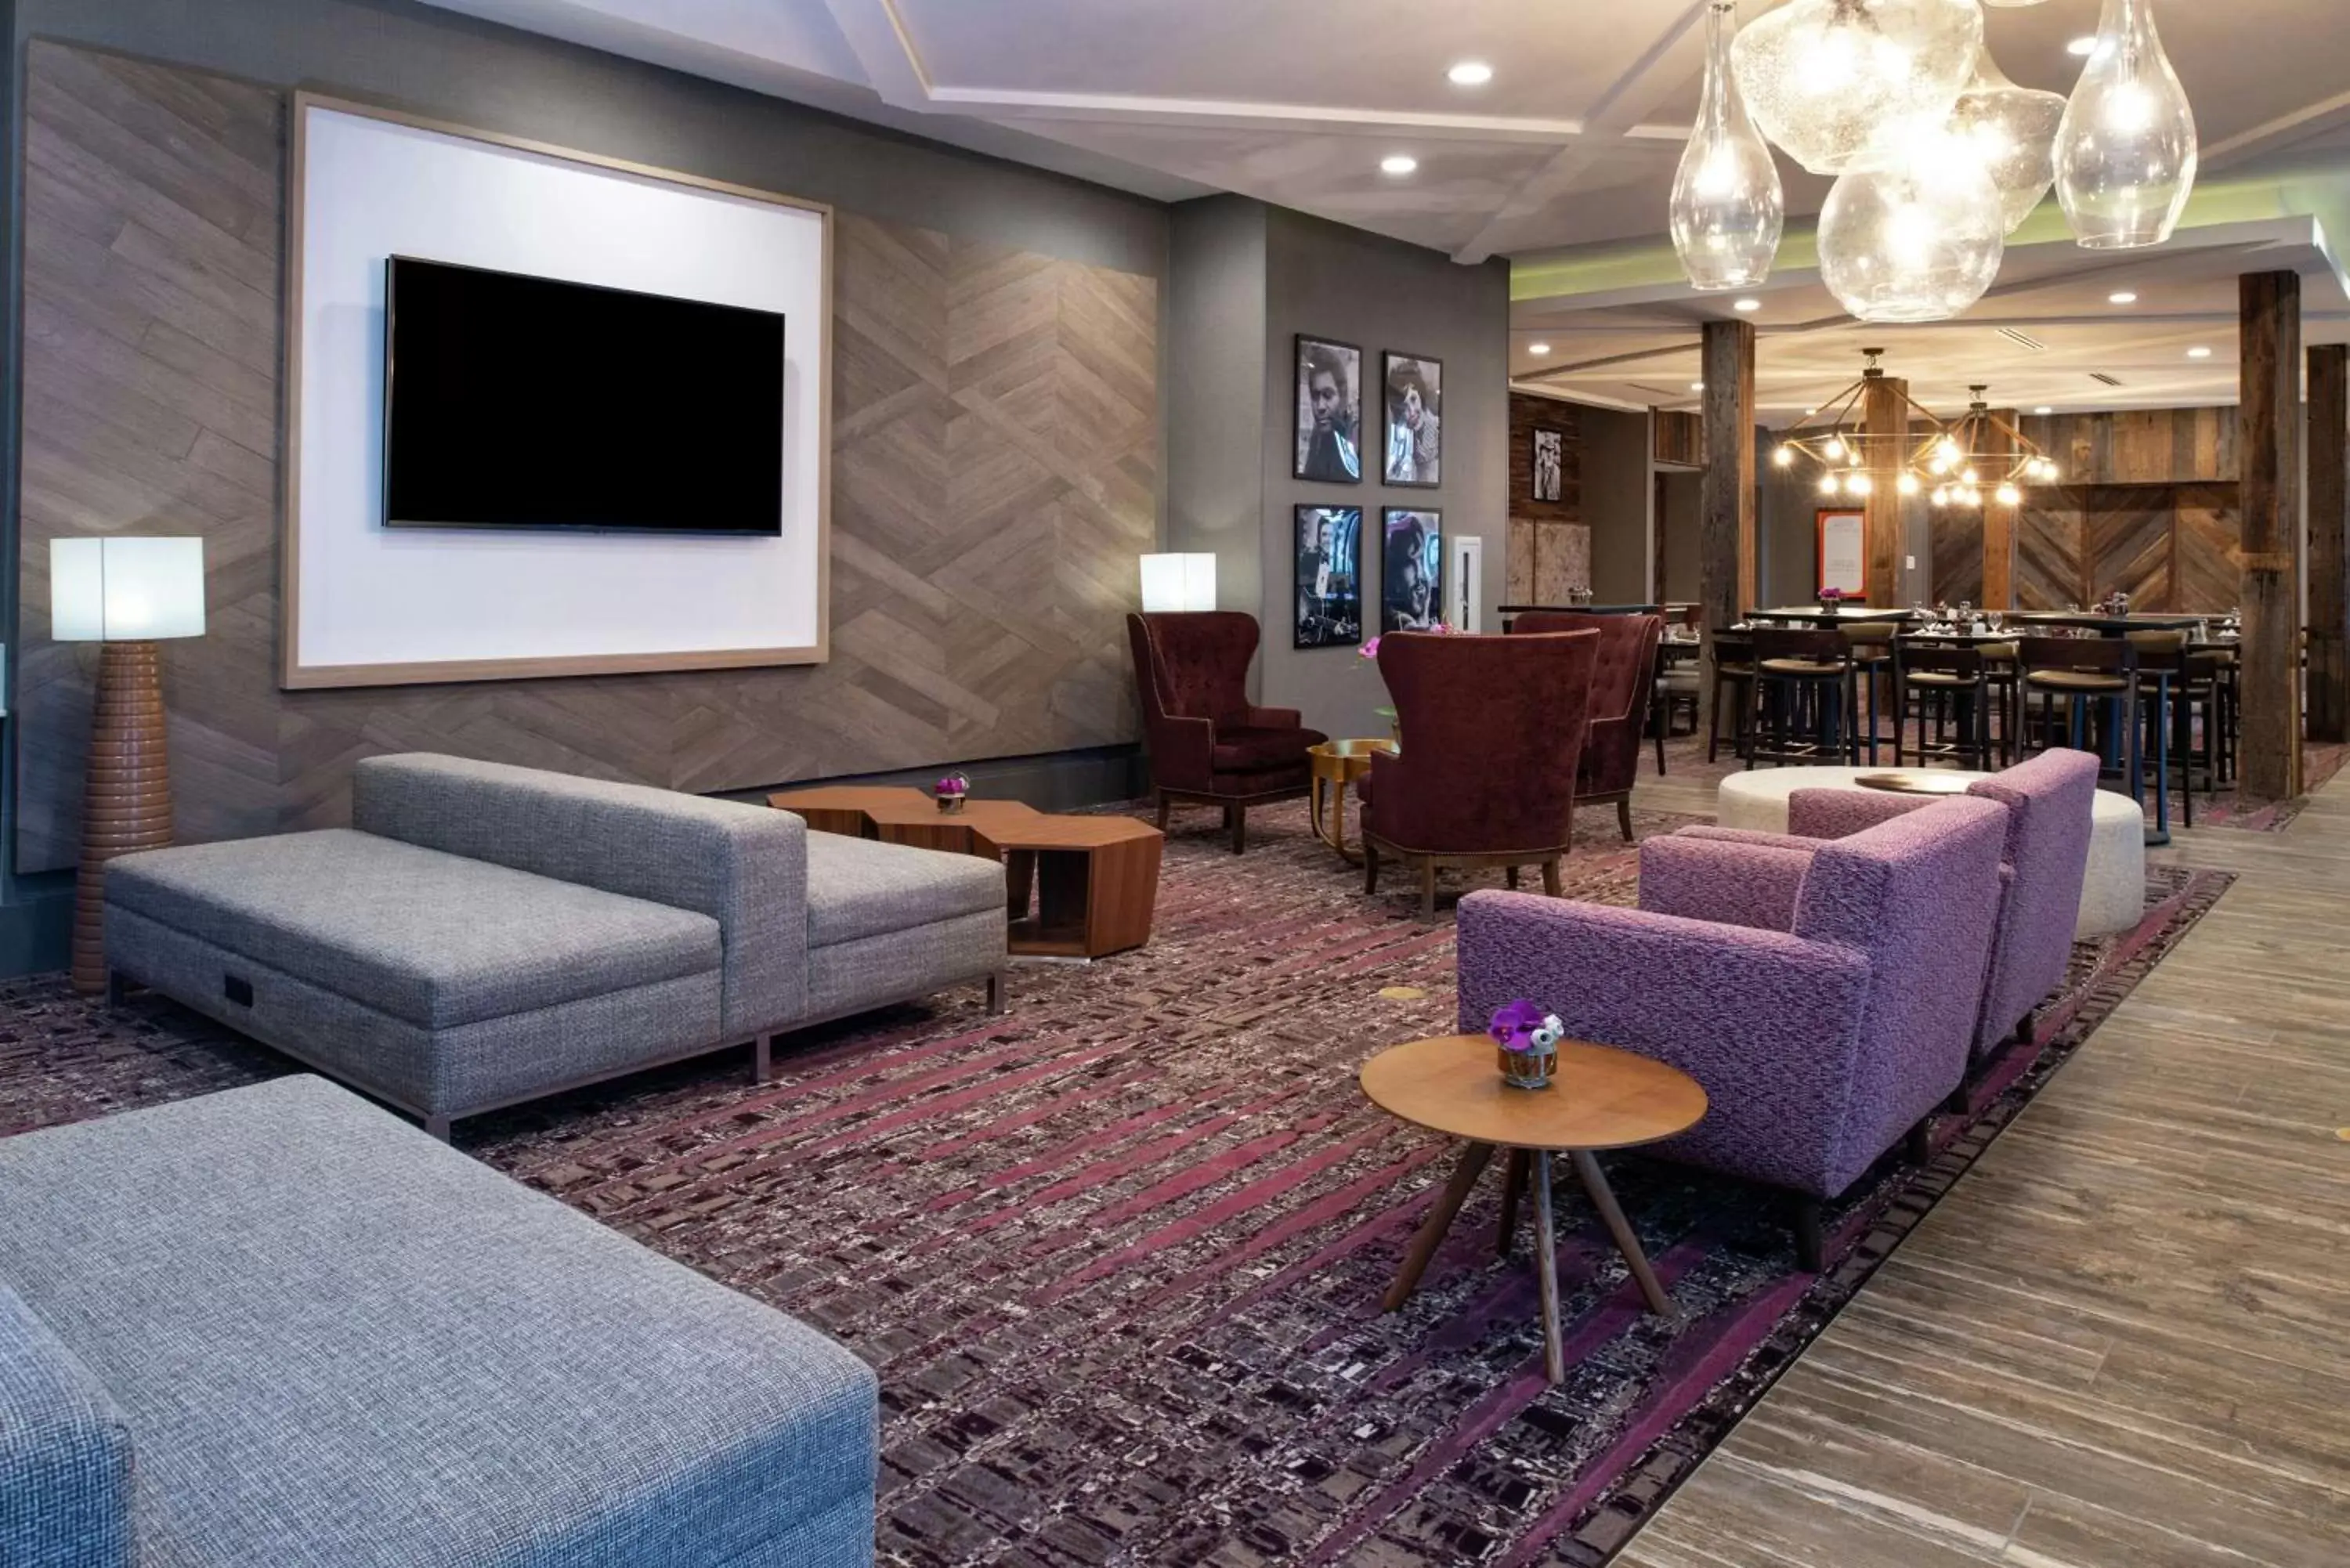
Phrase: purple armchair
{"type": "Point", "coordinates": [1622, 690]}
{"type": "Point", "coordinates": [1819, 1045]}
{"type": "Point", "coordinates": [2049, 802]}
{"type": "Point", "coordinates": [1208, 742]}
{"type": "Point", "coordinates": [1492, 727]}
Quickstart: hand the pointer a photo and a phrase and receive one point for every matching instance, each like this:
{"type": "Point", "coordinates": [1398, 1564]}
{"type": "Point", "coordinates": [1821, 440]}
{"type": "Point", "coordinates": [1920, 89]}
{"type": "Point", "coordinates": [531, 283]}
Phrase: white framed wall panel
{"type": "Point", "coordinates": [365, 605]}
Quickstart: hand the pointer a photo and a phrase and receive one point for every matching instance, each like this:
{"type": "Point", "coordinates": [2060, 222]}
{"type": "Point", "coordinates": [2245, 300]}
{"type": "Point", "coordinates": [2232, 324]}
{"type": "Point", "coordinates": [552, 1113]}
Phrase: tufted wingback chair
{"type": "Point", "coordinates": [1621, 683]}
{"type": "Point", "coordinates": [1209, 744]}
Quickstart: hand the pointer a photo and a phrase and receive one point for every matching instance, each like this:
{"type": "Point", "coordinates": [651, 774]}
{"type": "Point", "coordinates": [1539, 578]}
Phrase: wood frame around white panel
{"type": "Point", "coordinates": [295, 675]}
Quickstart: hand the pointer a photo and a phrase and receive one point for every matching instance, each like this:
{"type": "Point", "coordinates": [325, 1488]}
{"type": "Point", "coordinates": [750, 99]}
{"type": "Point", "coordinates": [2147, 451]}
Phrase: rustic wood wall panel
{"type": "Point", "coordinates": [2138, 446]}
{"type": "Point", "coordinates": [1526, 413]}
{"type": "Point", "coordinates": [2170, 546]}
{"type": "Point", "coordinates": [996, 474]}
{"type": "Point", "coordinates": [2051, 568]}
{"type": "Point", "coordinates": [1956, 533]}
{"type": "Point", "coordinates": [1680, 437]}
{"type": "Point", "coordinates": [2205, 537]}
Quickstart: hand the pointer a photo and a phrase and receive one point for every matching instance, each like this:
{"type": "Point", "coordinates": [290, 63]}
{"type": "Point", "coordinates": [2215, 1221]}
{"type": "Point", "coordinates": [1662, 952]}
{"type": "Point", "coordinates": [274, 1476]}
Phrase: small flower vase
{"type": "Point", "coordinates": [950, 801]}
{"type": "Point", "coordinates": [1530, 1068]}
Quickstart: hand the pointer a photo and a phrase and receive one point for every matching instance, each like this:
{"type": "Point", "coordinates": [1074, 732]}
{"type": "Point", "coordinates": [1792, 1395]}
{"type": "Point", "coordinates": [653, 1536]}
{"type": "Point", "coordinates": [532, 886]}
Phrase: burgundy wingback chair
{"type": "Point", "coordinates": [1491, 733]}
{"type": "Point", "coordinates": [1209, 744]}
{"type": "Point", "coordinates": [1621, 690]}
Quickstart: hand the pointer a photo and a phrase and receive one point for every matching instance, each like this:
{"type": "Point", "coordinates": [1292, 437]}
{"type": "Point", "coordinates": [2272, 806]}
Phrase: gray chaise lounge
{"type": "Point", "coordinates": [486, 934]}
{"type": "Point", "coordinates": [280, 1328]}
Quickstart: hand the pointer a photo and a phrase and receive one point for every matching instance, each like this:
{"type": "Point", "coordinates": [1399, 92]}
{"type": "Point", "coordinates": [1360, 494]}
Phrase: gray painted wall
{"type": "Point", "coordinates": [1216, 409]}
{"type": "Point", "coordinates": [1619, 494]}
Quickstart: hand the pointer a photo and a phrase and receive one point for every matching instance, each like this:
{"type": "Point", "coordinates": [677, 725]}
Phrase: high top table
{"type": "Point", "coordinates": [1599, 1098]}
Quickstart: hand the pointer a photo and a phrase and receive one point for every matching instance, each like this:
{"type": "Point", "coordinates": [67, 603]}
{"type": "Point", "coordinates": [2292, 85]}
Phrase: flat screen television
{"type": "Point", "coordinates": [513, 402]}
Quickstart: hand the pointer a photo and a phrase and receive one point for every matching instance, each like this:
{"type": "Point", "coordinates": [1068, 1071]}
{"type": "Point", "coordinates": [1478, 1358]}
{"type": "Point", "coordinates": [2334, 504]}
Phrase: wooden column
{"type": "Point", "coordinates": [1999, 522]}
{"type": "Point", "coordinates": [2269, 352]}
{"type": "Point", "coordinates": [1726, 580]}
{"type": "Point", "coordinates": [1885, 416]}
{"type": "Point", "coordinates": [2329, 543]}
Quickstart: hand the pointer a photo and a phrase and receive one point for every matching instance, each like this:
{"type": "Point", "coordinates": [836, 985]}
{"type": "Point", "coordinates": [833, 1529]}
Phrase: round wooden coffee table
{"type": "Point", "coordinates": [1599, 1098]}
{"type": "Point", "coordinates": [1336, 765]}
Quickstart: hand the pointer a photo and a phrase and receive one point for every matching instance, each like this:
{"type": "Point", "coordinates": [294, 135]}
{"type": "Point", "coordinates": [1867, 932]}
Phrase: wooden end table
{"type": "Point", "coordinates": [897, 814]}
{"type": "Point", "coordinates": [1095, 880]}
{"type": "Point", "coordinates": [1599, 1098]}
{"type": "Point", "coordinates": [1336, 765]}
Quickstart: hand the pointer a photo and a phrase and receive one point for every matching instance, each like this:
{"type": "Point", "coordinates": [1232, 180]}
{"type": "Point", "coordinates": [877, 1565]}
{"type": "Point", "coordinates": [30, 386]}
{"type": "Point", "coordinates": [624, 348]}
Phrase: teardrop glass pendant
{"type": "Point", "coordinates": [1823, 77]}
{"type": "Point", "coordinates": [1727, 206]}
{"type": "Point", "coordinates": [2014, 130]}
{"type": "Point", "coordinates": [2126, 152]}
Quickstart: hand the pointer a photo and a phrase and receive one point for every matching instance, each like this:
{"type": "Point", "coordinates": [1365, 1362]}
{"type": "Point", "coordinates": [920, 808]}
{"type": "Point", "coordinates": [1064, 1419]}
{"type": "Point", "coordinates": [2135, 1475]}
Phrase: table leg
{"type": "Point", "coordinates": [1471, 1164]}
{"type": "Point", "coordinates": [1513, 1187]}
{"type": "Point", "coordinates": [1313, 805]}
{"type": "Point", "coordinates": [1547, 1270]}
{"type": "Point", "coordinates": [1595, 1184]}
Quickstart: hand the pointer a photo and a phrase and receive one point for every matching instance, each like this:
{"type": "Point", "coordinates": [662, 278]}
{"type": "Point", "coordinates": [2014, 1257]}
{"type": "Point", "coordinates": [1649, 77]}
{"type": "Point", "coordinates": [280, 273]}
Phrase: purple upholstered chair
{"type": "Point", "coordinates": [1208, 743]}
{"type": "Point", "coordinates": [1492, 731]}
{"type": "Point", "coordinates": [2050, 800]}
{"type": "Point", "coordinates": [1622, 687]}
{"type": "Point", "coordinates": [1819, 1045]}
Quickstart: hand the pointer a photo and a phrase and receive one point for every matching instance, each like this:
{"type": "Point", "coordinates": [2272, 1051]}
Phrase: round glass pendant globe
{"type": "Point", "coordinates": [1920, 240]}
{"type": "Point", "coordinates": [2014, 132]}
{"type": "Point", "coordinates": [2125, 151]}
{"type": "Point", "coordinates": [1820, 78]}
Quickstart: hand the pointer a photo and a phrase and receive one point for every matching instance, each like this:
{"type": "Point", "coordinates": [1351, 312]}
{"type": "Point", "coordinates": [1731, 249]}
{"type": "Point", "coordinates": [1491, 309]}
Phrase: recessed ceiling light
{"type": "Point", "coordinates": [1398, 164]}
{"type": "Point", "coordinates": [1697, 386]}
{"type": "Point", "coordinates": [1537, 347]}
{"type": "Point", "coordinates": [2198, 352]}
{"type": "Point", "coordinates": [1809, 412]}
{"type": "Point", "coordinates": [1469, 73]}
{"type": "Point", "coordinates": [2121, 296]}
{"type": "Point", "coordinates": [2044, 408]}
{"type": "Point", "coordinates": [2083, 47]}
{"type": "Point", "coordinates": [1747, 304]}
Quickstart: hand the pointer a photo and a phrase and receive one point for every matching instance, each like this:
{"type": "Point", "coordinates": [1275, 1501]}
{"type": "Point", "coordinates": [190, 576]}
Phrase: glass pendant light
{"type": "Point", "coordinates": [2126, 152]}
{"type": "Point", "coordinates": [1727, 207]}
{"type": "Point", "coordinates": [1821, 77]}
{"type": "Point", "coordinates": [2013, 131]}
{"type": "Point", "coordinates": [1918, 239]}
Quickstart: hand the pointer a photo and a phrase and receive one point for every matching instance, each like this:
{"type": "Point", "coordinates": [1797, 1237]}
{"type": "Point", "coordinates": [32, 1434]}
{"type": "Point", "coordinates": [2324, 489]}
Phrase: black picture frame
{"type": "Point", "coordinates": [1326, 552]}
{"type": "Point", "coordinates": [1546, 482]}
{"type": "Point", "coordinates": [1410, 599]}
{"type": "Point", "coordinates": [1336, 458]}
{"type": "Point", "coordinates": [1411, 456]}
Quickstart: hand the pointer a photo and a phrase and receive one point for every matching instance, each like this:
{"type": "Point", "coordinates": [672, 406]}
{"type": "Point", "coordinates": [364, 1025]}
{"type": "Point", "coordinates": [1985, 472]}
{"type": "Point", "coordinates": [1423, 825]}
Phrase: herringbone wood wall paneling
{"type": "Point", "coordinates": [2168, 546]}
{"type": "Point", "coordinates": [996, 474]}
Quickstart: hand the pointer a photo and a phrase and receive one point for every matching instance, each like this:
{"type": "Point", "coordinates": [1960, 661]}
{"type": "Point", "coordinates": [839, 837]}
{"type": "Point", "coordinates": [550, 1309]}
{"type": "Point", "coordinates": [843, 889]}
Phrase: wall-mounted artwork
{"type": "Point", "coordinates": [1549, 462]}
{"type": "Point", "coordinates": [1330, 411]}
{"type": "Point", "coordinates": [1329, 576]}
{"type": "Point", "coordinates": [1843, 551]}
{"type": "Point", "coordinates": [1415, 410]}
{"type": "Point", "coordinates": [1411, 570]}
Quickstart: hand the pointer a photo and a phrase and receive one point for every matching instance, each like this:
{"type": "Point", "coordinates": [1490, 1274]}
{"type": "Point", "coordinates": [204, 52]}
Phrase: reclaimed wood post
{"type": "Point", "coordinates": [1885, 417]}
{"type": "Point", "coordinates": [2329, 541]}
{"type": "Point", "coordinates": [1999, 519]}
{"type": "Point", "coordinates": [2269, 354]}
{"type": "Point", "coordinates": [1726, 574]}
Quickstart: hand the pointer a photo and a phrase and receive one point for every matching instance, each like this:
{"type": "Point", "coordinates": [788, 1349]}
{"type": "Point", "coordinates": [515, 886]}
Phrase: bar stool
{"type": "Point", "coordinates": [2166, 680]}
{"type": "Point", "coordinates": [2079, 677]}
{"type": "Point", "coordinates": [1872, 661]}
{"type": "Point", "coordinates": [1953, 684]}
{"type": "Point", "coordinates": [1733, 672]}
{"type": "Point", "coordinates": [1804, 692]}
{"type": "Point", "coordinates": [2000, 670]}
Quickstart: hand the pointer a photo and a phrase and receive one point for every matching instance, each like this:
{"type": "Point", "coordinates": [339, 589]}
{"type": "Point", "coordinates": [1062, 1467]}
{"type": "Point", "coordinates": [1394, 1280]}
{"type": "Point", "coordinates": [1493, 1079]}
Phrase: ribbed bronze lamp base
{"type": "Point", "coordinates": [127, 797]}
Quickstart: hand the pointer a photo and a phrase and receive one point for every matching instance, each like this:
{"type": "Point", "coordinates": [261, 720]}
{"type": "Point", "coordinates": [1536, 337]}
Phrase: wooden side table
{"type": "Point", "coordinates": [1599, 1098]}
{"type": "Point", "coordinates": [841, 808]}
{"type": "Point", "coordinates": [1336, 765]}
{"type": "Point", "coordinates": [1095, 881]}
{"type": "Point", "coordinates": [897, 814]}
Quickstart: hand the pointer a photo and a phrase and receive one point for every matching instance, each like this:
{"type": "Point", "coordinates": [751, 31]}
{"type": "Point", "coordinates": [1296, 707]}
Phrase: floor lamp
{"type": "Point", "coordinates": [125, 594]}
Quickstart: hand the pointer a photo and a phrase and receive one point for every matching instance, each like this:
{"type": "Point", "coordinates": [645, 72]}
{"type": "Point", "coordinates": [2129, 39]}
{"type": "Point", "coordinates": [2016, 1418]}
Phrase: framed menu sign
{"type": "Point", "coordinates": [1843, 551]}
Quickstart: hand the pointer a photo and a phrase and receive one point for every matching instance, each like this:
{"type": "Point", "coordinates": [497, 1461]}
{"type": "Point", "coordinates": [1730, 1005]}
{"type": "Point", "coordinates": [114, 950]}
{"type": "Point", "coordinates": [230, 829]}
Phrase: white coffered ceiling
{"type": "Point", "coordinates": [1565, 156]}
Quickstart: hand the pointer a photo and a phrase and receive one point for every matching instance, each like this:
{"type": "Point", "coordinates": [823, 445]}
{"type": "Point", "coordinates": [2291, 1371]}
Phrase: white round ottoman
{"type": "Point", "coordinates": [2113, 890]}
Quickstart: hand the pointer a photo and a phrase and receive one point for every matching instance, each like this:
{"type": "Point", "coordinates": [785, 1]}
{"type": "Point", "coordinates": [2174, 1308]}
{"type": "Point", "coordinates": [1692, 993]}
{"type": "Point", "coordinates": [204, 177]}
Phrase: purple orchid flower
{"type": "Point", "coordinates": [1513, 1024]}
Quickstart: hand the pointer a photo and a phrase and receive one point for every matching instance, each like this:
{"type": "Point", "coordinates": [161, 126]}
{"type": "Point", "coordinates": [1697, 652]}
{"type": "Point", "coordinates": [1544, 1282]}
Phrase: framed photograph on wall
{"type": "Point", "coordinates": [1330, 411]}
{"type": "Point", "coordinates": [1414, 397]}
{"type": "Point", "coordinates": [1549, 459]}
{"type": "Point", "coordinates": [1329, 540]}
{"type": "Point", "coordinates": [1411, 569]}
{"type": "Point", "coordinates": [1842, 552]}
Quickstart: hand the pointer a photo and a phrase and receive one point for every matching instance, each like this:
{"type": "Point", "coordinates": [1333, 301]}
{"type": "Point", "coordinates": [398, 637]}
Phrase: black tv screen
{"type": "Point", "coordinates": [524, 402]}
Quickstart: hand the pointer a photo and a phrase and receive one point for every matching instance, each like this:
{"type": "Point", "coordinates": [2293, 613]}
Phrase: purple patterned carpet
{"type": "Point", "coordinates": [1119, 1254]}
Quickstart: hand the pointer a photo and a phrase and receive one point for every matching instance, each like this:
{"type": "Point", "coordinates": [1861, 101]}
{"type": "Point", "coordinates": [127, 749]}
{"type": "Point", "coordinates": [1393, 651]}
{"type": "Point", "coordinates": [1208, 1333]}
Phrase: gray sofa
{"type": "Point", "coordinates": [280, 1328]}
{"type": "Point", "coordinates": [484, 934]}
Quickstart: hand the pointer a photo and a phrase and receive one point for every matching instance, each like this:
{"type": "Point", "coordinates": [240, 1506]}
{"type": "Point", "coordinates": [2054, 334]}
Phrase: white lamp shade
{"type": "Point", "coordinates": [126, 590]}
{"type": "Point", "coordinates": [1179, 582]}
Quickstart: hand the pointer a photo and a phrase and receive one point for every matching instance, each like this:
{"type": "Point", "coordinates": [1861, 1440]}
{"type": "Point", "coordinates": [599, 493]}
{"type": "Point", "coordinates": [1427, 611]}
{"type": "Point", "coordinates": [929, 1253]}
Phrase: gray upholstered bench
{"type": "Point", "coordinates": [484, 934]}
{"type": "Point", "coordinates": [277, 1325]}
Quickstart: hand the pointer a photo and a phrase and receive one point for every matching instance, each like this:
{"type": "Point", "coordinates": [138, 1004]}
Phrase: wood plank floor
{"type": "Point", "coordinates": [2122, 1340]}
